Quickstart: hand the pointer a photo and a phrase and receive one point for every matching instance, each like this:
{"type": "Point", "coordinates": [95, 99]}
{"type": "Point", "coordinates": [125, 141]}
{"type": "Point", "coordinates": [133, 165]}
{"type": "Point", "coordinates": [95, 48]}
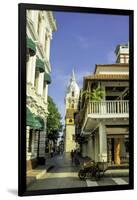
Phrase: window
{"type": "Point", "coordinates": [72, 106]}
{"type": "Point", "coordinates": [70, 120]}
{"type": "Point", "coordinates": [73, 94]}
{"type": "Point", "coordinates": [125, 58]}
{"type": "Point", "coordinates": [36, 79]}
{"type": "Point", "coordinates": [73, 137]}
{"type": "Point", "coordinates": [44, 88]}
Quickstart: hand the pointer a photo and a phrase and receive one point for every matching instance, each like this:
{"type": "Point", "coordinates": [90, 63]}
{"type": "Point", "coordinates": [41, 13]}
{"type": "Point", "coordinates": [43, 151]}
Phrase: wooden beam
{"type": "Point", "coordinates": [115, 83]}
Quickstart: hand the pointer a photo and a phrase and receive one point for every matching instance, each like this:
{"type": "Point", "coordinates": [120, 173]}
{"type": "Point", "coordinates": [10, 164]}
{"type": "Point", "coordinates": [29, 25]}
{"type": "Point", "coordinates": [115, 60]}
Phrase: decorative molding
{"type": "Point", "coordinates": [40, 49]}
{"type": "Point", "coordinates": [31, 29]}
{"type": "Point", "coordinates": [36, 101]}
{"type": "Point", "coordinates": [52, 20]}
{"type": "Point", "coordinates": [29, 100]}
{"type": "Point", "coordinates": [35, 38]}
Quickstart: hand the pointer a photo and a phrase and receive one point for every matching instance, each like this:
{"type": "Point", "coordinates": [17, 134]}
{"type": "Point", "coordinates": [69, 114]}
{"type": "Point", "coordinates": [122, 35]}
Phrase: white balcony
{"type": "Point", "coordinates": [105, 110]}
{"type": "Point", "coordinates": [108, 107]}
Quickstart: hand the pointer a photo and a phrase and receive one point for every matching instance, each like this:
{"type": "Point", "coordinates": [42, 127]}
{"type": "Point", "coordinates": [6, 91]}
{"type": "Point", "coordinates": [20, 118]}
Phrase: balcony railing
{"type": "Point", "coordinates": [108, 107]}
{"type": "Point", "coordinates": [104, 110]}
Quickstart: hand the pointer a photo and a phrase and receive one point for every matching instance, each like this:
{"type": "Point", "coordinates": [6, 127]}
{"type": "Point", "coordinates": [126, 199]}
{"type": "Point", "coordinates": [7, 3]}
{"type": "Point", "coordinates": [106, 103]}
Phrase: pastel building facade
{"type": "Point", "coordinates": [39, 30]}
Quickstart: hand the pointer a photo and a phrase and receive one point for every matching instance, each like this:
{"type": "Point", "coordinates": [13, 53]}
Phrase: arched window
{"type": "Point", "coordinates": [70, 120]}
{"type": "Point", "coordinates": [73, 94]}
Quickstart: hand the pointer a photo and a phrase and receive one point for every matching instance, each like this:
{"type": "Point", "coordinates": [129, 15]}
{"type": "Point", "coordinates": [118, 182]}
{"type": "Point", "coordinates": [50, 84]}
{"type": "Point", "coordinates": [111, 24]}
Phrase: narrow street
{"type": "Point", "coordinates": [64, 174]}
{"type": "Point", "coordinates": [77, 101]}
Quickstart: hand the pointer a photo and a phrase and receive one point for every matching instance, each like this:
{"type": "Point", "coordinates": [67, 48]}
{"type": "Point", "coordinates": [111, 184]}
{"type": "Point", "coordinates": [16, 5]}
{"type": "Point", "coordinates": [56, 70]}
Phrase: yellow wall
{"type": "Point", "coordinates": [68, 121]}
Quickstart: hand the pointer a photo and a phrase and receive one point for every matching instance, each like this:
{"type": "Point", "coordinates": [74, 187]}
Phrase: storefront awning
{"type": "Point", "coordinates": [40, 65]}
{"type": "Point", "coordinates": [31, 46]}
{"type": "Point", "coordinates": [37, 124]}
{"type": "Point", "coordinates": [47, 78]}
{"type": "Point", "coordinates": [30, 119]}
{"type": "Point", "coordinates": [40, 123]}
{"type": "Point", "coordinates": [33, 121]}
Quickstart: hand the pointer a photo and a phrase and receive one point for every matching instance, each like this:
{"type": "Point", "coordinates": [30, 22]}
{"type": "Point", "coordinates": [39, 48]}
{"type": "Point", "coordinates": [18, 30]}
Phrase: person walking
{"type": "Point", "coordinates": [76, 158]}
{"type": "Point", "coordinates": [72, 156]}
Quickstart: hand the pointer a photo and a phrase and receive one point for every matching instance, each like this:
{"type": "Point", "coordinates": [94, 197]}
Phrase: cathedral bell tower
{"type": "Point", "coordinates": [71, 105]}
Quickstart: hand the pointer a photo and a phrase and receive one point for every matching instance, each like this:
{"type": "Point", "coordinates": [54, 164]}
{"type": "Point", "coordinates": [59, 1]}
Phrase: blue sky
{"type": "Point", "coordinates": [80, 42]}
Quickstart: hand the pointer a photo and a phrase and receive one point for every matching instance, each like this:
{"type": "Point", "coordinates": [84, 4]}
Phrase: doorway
{"type": "Point", "coordinates": [117, 149]}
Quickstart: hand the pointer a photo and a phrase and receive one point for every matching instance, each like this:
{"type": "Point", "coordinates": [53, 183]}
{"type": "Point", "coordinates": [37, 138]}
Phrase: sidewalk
{"type": "Point", "coordinates": [113, 170]}
{"type": "Point", "coordinates": [117, 173]}
{"type": "Point", "coordinates": [35, 174]}
{"type": "Point", "coordinates": [39, 171]}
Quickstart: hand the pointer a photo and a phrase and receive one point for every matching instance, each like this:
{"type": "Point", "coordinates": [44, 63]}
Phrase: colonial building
{"type": "Point", "coordinates": [103, 126]}
{"type": "Point", "coordinates": [71, 106]}
{"type": "Point", "coordinates": [122, 53]}
{"type": "Point", "coordinates": [40, 26]}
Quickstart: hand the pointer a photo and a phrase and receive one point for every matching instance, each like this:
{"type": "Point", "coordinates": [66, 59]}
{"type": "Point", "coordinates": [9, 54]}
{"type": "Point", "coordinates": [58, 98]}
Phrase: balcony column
{"type": "Point", "coordinates": [90, 148]}
{"type": "Point", "coordinates": [96, 146]}
{"type": "Point", "coordinates": [93, 147]}
{"type": "Point", "coordinates": [102, 143]}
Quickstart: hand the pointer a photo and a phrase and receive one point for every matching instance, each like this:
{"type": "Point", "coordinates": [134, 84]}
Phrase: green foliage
{"type": "Point", "coordinates": [54, 125]}
{"type": "Point", "coordinates": [95, 95]}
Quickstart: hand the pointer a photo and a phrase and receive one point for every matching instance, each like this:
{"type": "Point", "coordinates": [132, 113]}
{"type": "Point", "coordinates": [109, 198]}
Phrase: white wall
{"type": "Point", "coordinates": [112, 71]}
{"type": "Point", "coordinates": [9, 99]}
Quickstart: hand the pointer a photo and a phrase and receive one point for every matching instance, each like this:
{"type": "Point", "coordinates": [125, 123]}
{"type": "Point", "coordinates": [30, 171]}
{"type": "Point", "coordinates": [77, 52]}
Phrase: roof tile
{"type": "Point", "coordinates": [107, 76]}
